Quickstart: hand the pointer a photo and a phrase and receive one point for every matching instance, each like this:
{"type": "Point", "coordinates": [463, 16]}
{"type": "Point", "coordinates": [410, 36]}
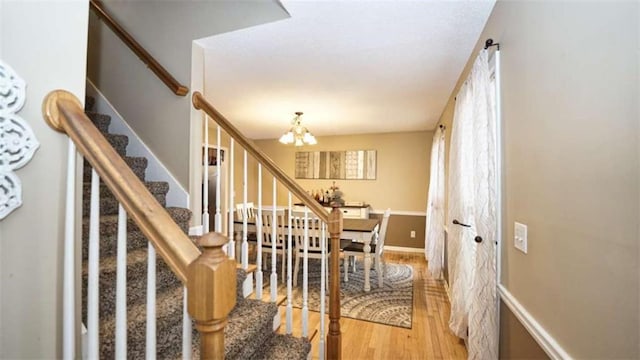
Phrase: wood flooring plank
{"type": "Point", "coordinates": [429, 337]}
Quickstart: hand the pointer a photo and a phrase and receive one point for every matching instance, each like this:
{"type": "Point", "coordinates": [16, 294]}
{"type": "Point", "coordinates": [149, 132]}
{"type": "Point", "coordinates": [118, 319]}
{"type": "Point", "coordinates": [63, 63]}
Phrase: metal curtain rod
{"type": "Point", "coordinates": [489, 42]}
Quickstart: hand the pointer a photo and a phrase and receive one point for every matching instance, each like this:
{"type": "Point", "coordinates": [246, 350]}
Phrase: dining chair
{"type": "Point", "coordinates": [313, 239]}
{"type": "Point", "coordinates": [356, 249]}
{"type": "Point", "coordinates": [249, 211]}
{"type": "Point", "coordinates": [269, 223]}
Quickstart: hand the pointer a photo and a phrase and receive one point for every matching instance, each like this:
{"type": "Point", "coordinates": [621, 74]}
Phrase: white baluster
{"type": "Point", "coordinates": [205, 178]}
{"type": "Point", "coordinates": [121, 285]}
{"type": "Point", "coordinates": [289, 254]}
{"type": "Point", "coordinates": [93, 320]}
{"type": "Point", "coordinates": [151, 304]}
{"type": "Point", "coordinates": [68, 297]}
{"type": "Point", "coordinates": [218, 216]}
{"type": "Point", "coordinates": [259, 236]}
{"type": "Point", "coordinates": [323, 277]}
{"type": "Point", "coordinates": [305, 276]}
{"type": "Point", "coordinates": [274, 254]}
{"type": "Point", "coordinates": [245, 214]}
{"type": "Point", "coordinates": [186, 329]}
{"type": "Point", "coordinates": [232, 243]}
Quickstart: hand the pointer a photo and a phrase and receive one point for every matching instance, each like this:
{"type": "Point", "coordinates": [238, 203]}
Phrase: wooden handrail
{"type": "Point", "coordinates": [333, 219]}
{"type": "Point", "coordinates": [64, 113]}
{"type": "Point", "coordinates": [200, 103]}
{"type": "Point", "coordinates": [152, 63]}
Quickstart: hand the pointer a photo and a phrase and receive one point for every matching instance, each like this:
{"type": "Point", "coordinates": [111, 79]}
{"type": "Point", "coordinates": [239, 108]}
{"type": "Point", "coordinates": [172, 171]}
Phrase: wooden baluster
{"type": "Point", "coordinates": [151, 303]}
{"type": "Point", "coordinates": [232, 244]}
{"type": "Point", "coordinates": [259, 237]}
{"type": "Point", "coordinates": [289, 254]}
{"type": "Point", "coordinates": [218, 216]}
{"type": "Point", "coordinates": [305, 275]}
{"type": "Point", "coordinates": [334, 340]}
{"type": "Point", "coordinates": [121, 286]}
{"type": "Point", "coordinates": [274, 254]}
{"type": "Point", "coordinates": [205, 178]}
{"type": "Point", "coordinates": [245, 214]}
{"type": "Point", "coordinates": [69, 286]}
{"type": "Point", "coordinates": [93, 291]}
{"type": "Point", "coordinates": [187, 346]}
{"type": "Point", "coordinates": [211, 288]}
{"type": "Point", "coordinates": [323, 278]}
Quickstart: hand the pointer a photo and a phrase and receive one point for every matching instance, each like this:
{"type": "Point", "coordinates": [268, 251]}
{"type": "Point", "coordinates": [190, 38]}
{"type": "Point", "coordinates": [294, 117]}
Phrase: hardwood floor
{"type": "Point", "coordinates": [429, 338]}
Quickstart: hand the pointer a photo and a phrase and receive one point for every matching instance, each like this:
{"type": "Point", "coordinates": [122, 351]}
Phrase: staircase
{"type": "Point", "coordinates": [249, 333]}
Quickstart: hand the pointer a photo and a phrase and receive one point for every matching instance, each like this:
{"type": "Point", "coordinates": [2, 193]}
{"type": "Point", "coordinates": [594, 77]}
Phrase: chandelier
{"type": "Point", "coordinates": [298, 134]}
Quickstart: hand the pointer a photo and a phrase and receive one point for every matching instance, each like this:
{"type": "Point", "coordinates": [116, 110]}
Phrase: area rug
{"type": "Point", "coordinates": [390, 305]}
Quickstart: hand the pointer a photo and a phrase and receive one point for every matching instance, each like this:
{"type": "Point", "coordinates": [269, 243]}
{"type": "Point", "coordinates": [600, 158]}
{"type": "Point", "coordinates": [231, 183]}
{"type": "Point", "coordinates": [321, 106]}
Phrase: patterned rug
{"type": "Point", "coordinates": [390, 305]}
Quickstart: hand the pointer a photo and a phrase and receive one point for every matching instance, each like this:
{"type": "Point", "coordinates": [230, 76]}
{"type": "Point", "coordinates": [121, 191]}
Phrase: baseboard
{"type": "Point", "coordinates": [403, 249]}
{"type": "Point", "coordinates": [399, 212]}
{"type": "Point", "coordinates": [156, 171]}
{"type": "Point", "coordinates": [539, 334]}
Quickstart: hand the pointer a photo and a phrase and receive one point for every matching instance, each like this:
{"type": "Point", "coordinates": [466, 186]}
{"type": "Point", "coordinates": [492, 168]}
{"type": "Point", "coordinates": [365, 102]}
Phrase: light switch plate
{"type": "Point", "coordinates": [520, 237]}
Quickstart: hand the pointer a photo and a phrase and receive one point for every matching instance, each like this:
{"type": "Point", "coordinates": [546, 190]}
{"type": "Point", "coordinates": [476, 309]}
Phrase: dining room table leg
{"type": "Point", "coordinates": [367, 263]}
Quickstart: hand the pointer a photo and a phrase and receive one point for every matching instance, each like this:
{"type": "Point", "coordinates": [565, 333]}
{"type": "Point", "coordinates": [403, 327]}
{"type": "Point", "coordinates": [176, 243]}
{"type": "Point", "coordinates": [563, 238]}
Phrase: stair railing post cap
{"type": "Point", "coordinates": [212, 239]}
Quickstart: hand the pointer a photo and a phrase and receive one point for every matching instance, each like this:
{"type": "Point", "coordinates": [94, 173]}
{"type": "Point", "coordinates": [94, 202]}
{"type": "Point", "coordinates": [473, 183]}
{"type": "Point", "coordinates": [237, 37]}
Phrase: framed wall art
{"type": "Point", "coordinates": [344, 165]}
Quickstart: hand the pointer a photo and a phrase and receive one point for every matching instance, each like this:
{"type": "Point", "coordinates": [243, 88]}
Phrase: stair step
{"type": "Point", "coordinates": [168, 327]}
{"type": "Point", "coordinates": [101, 121]}
{"type": "Point", "coordinates": [119, 143]}
{"type": "Point", "coordinates": [89, 102]}
{"type": "Point", "coordinates": [136, 281]}
{"type": "Point", "coordinates": [249, 327]}
{"type": "Point", "coordinates": [135, 238]}
{"type": "Point", "coordinates": [108, 202]}
{"type": "Point", "coordinates": [137, 164]}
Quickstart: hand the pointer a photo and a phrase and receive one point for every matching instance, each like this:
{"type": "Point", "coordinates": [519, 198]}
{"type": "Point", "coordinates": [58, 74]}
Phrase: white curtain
{"type": "Point", "coordinates": [472, 201]}
{"type": "Point", "coordinates": [434, 241]}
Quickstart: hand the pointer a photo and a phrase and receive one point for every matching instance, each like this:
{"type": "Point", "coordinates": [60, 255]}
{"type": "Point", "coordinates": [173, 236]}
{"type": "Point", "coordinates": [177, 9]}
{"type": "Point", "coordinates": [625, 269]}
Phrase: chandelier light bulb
{"type": "Point", "coordinates": [298, 134]}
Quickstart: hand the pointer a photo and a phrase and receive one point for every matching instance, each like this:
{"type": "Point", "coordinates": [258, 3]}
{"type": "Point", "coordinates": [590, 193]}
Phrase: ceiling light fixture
{"type": "Point", "coordinates": [298, 134]}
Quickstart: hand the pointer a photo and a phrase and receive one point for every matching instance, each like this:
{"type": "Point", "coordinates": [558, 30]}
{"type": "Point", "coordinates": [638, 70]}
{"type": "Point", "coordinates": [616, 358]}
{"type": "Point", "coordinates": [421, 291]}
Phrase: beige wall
{"type": "Point", "coordinates": [402, 176]}
{"type": "Point", "coordinates": [399, 230]}
{"type": "Point", "coordinates": [571, 158]}
{"type": "Point", "coordinates": [166, 30]}
{"type": "Point", "coordinates": [45, 42]}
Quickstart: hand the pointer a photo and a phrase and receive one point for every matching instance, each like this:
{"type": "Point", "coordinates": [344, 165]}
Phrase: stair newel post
{"type": "Point", "coordinates": [211, 288]}
{"type": "Point", "coordinates": [334, 340]}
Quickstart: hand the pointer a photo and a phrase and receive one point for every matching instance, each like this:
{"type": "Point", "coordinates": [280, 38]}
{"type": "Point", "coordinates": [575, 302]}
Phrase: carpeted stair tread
{"type": "Point", "coordinates": [283, 347]}
{"type": "Point", "coordinates": [135, 238]}
{"type": "Point", "coordinates": [108, 202]}
{"type": "Point", "coordinates": [249, 326]}
{"type": "Point", "coordinates": [89, 102]}
{"type": "Point", "coordinates": [119, 143]}
{"type": "Point", "coordinates": [168, 326]}
{"type": "Point", "coordinates": [101, 121]}
{"type": "Point", "coordinates": [137, 164]}
{"type": "Point", "coordinates": [154, 187]}
{"type": "Point", "coordinates": [136, 281]}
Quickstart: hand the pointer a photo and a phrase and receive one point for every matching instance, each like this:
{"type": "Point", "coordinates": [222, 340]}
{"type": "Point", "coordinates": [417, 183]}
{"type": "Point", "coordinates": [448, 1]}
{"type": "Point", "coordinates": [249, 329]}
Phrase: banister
{"type": "Point", "coordinates": [64, 113]}
{"type": "Point", "coordinates": [200, 103]}
{"type": "Point", "coordinates": [152, 63]}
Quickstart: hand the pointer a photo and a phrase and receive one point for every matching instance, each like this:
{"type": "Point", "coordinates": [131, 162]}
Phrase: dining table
{"type": "Point", "coordinates": [358, 230]}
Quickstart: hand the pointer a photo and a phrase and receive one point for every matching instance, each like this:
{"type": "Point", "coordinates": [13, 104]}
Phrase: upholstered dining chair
{"type": "Point", "coordinates": [313, 239]}
{"type": "Point", "coordinates": [356, 249]}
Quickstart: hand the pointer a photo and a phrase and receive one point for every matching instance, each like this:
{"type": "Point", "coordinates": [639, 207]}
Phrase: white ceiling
{"type": "Point", "coordinates": [350, 66]}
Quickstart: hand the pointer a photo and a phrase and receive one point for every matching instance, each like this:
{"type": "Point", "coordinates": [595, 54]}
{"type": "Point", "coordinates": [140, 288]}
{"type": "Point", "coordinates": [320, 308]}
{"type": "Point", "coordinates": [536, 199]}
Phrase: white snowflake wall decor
{"type": "Point", "coordinates": [17, 141]}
